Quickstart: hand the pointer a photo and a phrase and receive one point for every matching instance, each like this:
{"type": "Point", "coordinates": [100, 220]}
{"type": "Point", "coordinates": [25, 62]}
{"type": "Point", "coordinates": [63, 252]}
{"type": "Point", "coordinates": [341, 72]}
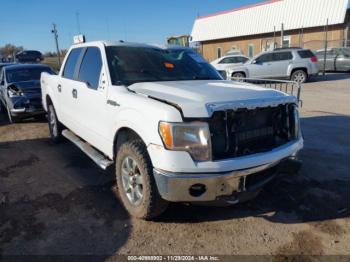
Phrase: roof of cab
{"type": "Point", "coordinates": [111, 43]}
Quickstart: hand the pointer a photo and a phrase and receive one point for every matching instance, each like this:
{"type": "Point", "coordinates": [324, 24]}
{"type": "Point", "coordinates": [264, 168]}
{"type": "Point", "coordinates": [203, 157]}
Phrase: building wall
{"type": "Point", "coordinates": [312, 38]}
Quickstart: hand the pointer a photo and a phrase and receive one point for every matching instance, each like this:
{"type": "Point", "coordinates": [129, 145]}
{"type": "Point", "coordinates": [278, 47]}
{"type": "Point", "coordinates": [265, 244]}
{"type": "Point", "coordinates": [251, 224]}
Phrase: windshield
{"type": "Point", "coordinates": [130, 65]}
{"type": "Point", "coordinates": [26, 74]}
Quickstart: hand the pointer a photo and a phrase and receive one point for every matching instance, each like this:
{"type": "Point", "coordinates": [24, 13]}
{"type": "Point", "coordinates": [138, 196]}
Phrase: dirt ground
{"type": "Point", "coordinates": [55, 201]}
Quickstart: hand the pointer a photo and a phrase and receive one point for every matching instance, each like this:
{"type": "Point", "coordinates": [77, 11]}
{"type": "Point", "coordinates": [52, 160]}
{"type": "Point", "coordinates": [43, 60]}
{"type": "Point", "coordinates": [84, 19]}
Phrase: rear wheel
{"type": "Point", "coordinates": [238, 76]}
{"type": "Point", "coordinates": [137, 188]}
{"type": "Point", "coordinates": [299, 76]}
{"type": "Point", "coordinates": [55, 126]}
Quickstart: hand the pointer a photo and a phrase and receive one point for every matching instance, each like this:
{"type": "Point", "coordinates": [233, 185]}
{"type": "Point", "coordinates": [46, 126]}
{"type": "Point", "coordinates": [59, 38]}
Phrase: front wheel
{"type": "Point", "coordinates": [55, 126]}
{"type": "Point", "coordinates": [137, 188]}
{"type": "Point", "coordinates": [299, 76]}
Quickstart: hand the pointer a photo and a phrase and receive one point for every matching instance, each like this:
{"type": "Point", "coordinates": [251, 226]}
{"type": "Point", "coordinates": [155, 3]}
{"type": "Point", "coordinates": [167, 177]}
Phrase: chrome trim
{"type": "Point", "coordinates": [175, 186]}
{"type": "Point", "coordinates": [17, 110]}
{"type": "Point", "coordinates": [91, 152]}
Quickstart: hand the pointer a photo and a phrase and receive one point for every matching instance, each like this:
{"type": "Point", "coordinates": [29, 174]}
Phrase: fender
{"type": "Point", "coordinates": [136, 121]}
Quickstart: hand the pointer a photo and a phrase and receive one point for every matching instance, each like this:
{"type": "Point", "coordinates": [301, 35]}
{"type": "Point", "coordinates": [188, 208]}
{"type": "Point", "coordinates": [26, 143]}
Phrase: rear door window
{"type": "Point", "coordinates": [241, 59]}
{"type": "Point", "coordinates": [71, 63]}
{"type": "Point", "coordinates": [90, 68]}
{"type": "Point", "coordinates": [282, 56]}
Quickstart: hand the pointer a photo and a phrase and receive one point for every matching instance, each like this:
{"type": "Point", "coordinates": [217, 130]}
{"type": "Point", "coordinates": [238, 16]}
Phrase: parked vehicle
{"type": "Point", "coordinates": [20, 93]}
{"type": "Point", "coordinates": [233, 52]}
{"type": "Point", "coordinates": [286, 63]}
{"type": "Point", "coordinates": [29, 56]}
{"type": "Point", "coordinates": [223, 63]}
{"type": "Point", "coordinates": [175, 130]}
{"type": "Point", "coordinates": [337, 59]}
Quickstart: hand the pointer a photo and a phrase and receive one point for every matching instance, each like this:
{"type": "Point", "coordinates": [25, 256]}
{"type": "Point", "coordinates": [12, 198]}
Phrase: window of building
{"type": "Point", "coordinates": [267, 44]}
{"type": "Point", "coordinates": [218, 52]}
{"type": "Point", "coordinates": [71, 63]}
{"type": "Point", "coordinates": [91, 66]}
{"type": "Point", "coordinates": [286, 41]}
{"type": "Point", "coordinates": [250, 50]}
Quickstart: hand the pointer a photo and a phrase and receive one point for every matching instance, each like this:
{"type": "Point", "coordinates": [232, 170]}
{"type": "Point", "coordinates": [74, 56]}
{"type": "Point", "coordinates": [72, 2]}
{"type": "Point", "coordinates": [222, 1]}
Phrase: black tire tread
{"type": "Point", "coordinates": [153, 205]}
{"type": "Point", "coordinates": [60, 127]}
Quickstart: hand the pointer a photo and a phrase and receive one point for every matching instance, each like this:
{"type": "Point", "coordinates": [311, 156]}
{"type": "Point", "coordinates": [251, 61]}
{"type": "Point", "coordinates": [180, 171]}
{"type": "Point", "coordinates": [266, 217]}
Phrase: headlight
{"type": "Point", "coordinates": [13, 91]}
{"type": "Point", "coordinates": [193, 138]}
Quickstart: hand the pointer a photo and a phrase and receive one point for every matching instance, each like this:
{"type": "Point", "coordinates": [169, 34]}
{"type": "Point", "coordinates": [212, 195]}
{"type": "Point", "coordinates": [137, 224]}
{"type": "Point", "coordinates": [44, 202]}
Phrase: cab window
{"type": "Point", "coordinates": [90, 68]}
{"type": "Point", "coordinates": [69, 68]}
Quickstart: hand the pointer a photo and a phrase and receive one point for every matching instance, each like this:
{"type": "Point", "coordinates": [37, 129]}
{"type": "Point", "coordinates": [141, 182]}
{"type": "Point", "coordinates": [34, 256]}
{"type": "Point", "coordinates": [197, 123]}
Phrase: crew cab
{"type": "Point", "coordinates": [168, 123]}
{"type": "Point", "coordinates": [296, 64]}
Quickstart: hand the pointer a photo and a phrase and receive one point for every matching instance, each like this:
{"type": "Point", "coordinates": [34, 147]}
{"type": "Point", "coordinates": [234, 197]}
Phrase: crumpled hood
{"type": "Point", "coordinates": [202, 98]}
{"type": "Point", "coordinates": [27, 86]}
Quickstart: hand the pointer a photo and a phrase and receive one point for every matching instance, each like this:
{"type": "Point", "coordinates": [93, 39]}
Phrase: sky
{"type": "Point", "coordinates": [28, 23]}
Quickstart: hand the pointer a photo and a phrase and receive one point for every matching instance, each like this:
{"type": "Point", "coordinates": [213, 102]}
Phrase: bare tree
{"type": "Point", "coordinates": [10, 50]}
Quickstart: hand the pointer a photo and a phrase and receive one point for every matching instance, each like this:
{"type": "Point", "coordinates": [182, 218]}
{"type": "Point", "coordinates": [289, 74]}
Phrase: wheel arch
{"type": "Point", "coordinates": [299, 68]}
{"type": "Point", "coordinates": [123, 134]}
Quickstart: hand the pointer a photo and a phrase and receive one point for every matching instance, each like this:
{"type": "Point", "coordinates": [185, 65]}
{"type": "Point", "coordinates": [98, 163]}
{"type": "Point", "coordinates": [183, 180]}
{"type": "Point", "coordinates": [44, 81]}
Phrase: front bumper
{"type": "Point", "coordinates": [24, 107]}
{"type": "Point", "coordinates": [232, 187]}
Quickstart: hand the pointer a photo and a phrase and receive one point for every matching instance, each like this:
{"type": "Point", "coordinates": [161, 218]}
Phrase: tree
{"type": "Point", "coordinates": [10, 50]}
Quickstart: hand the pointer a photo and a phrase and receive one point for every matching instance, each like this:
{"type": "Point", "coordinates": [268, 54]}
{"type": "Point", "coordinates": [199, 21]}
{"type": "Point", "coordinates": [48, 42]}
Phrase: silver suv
{"type": "Point", "coordinates": [296, 64]}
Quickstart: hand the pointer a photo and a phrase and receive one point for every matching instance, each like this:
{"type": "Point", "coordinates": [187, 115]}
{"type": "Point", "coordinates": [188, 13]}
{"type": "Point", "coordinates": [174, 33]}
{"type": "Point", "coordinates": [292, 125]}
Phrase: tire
{"type": "Point", "coordinates": [299, 76]}
{"type": "Point", "coordinates": [238, 76]}
{"type": "Point", "coordinates": [55, 126]}
{"type": "Point", "coordinates": [136, 185]}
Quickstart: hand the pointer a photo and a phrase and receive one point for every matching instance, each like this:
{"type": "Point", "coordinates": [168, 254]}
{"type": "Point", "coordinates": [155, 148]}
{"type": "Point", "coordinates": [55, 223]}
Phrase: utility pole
{"type": "Point", "coordinates": [325, 47]}
{"type": "Point", "coordinates": [274, 37]}
{"type": "Point", "coordinates": [54, 31]}
{"type": "Point", "coordinates": [282, 35]}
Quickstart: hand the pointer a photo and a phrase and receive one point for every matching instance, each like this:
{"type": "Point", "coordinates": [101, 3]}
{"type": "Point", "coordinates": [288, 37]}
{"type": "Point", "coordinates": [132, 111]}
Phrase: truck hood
{"type": "Point", "coordinates": [201, 98]}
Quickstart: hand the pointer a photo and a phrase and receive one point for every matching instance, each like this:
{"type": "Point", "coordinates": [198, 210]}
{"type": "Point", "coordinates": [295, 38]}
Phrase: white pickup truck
{"type": "Point", "coordinates": [174, 130]}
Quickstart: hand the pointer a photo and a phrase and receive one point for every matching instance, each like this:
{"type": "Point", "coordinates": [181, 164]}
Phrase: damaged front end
{"type": "Point", "coordinates": [242, 132]}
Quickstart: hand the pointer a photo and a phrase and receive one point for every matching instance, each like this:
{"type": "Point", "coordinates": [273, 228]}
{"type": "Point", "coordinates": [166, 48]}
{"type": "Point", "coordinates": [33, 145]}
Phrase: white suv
{"type": "Point", "coordinates": [295, 64]}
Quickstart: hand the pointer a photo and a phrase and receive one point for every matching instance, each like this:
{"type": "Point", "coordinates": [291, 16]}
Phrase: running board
{"type": "Point", "coordinates": [95, 155]}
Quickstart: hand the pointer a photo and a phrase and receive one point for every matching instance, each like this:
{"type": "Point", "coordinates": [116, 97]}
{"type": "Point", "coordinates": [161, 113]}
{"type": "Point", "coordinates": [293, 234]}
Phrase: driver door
{"type": "Point", "coordinates": [260, 67]}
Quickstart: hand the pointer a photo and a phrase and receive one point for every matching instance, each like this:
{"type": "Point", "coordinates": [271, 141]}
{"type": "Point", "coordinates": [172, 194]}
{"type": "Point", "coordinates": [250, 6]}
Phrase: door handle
{"type": "Point", "coordinates": [75, 93]}
{"type": "Point", "coordinates": [59, 88]}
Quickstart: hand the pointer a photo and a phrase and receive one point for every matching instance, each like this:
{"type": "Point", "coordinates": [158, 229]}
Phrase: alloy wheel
{"type": "Point", "coordinates": [132, 181]}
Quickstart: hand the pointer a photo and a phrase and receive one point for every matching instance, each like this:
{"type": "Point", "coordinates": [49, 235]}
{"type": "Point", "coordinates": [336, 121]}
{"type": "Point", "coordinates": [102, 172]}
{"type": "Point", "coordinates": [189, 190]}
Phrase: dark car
{"type": "Point", "coordinates": [29, 56]}
{"type": "Point", "coordinates": [20, 92]}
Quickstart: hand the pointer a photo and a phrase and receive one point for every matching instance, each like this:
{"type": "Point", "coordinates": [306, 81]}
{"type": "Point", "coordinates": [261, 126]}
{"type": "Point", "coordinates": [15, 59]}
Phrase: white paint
{"type": "Point", "coordinates": [294, 14]}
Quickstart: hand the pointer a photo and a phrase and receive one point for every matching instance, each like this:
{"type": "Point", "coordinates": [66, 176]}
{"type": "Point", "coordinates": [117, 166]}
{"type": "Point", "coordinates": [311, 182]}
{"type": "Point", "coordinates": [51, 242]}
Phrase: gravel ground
{"type": "Point", "coordinates": [55, 201]}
